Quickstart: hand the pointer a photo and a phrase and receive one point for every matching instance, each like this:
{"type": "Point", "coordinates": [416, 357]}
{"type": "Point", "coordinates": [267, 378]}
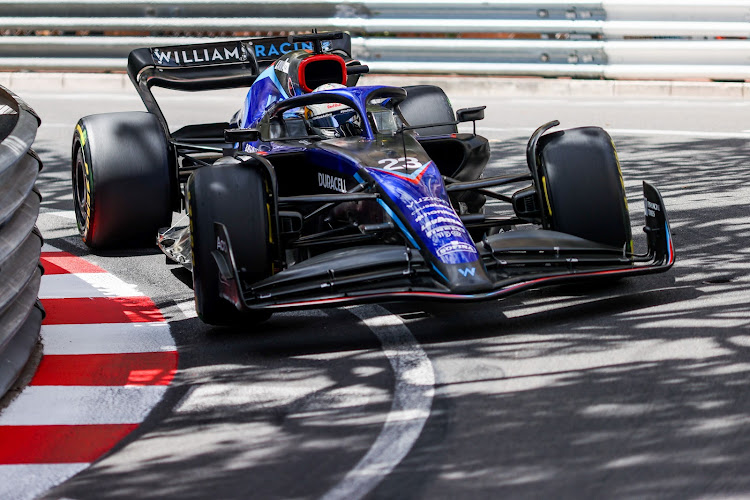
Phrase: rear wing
{"type": "Point", "coordinates": [218, 65]}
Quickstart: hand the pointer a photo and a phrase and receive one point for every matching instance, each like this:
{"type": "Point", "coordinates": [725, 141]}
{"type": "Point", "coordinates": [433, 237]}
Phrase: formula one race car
{"type": "Point", "coordinates": [321, 192]}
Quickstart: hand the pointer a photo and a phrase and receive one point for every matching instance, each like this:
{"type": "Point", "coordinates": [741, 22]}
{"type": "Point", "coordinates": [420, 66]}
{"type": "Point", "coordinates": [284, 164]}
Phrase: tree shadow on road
{"type": "Point", "coordinates": [635, 389]}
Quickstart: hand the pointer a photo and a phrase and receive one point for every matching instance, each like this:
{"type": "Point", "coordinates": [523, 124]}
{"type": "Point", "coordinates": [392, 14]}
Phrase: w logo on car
{"type": "Point", "coordinates": [467, 271]}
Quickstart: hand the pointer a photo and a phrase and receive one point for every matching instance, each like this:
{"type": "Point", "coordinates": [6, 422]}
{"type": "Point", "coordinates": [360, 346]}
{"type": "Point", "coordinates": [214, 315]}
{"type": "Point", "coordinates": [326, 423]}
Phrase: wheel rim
{"type": "Point", "coordinates": [80, 179]}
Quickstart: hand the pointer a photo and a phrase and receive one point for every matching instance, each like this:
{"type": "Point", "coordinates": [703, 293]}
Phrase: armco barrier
{"type": "Point", "coordinates": [615, 39]}
{"type": "Point", "coordinates": [20, 241]}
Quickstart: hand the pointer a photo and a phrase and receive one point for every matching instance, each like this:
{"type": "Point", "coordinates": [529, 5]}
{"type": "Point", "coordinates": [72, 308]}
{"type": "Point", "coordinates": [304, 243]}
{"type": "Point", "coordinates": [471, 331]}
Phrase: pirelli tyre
{"type": "Point", "coordinates": [235, 195]}
{"type": "Point", "coordinates": [428, 104]}
{"type": "Point", "coordinates": [582, 189]}
{"type": "Point", "coordinates": [121, 181]}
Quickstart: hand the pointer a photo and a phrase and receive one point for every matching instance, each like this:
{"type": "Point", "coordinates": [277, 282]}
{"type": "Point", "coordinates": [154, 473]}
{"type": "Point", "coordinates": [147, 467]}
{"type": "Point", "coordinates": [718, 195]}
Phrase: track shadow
{"type": "Point", "coordinates": [635, 389]}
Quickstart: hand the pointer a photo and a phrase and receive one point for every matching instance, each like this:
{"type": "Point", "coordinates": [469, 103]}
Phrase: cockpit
{"type": "Point", "coordinates": [335, 112]}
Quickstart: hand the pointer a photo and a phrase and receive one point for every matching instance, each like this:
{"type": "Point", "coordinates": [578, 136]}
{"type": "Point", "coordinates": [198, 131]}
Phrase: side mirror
{"type": "Point", "coordinates": [470, 114]}
{"type": "Point", "coordinates": [233, 135]}
{"type": "Point", "coordinates": [357, 69]}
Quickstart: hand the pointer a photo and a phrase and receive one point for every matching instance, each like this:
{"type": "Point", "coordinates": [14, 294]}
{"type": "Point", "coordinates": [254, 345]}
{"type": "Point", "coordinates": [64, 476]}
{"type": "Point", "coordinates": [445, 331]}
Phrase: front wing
{"type": "Point", "coordinates": [382, 273]}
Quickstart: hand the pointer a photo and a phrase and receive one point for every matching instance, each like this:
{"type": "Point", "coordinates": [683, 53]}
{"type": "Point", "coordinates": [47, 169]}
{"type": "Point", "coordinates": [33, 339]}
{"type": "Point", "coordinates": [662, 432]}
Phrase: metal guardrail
{"type": "Point", "coordinates": [594, 39]}
{"type": "Point", "coordinates": [20, 242]}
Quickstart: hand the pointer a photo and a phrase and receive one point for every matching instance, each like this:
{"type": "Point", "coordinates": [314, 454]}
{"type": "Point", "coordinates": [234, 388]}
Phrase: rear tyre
{"type": "Point", "coordinates": [582, 189]}
{"type": "Point", "coordinates": [426, 104]}
{"type": "Point", "coordinates": [121, 181]}
{"type": "Point", "coordinates": [235, 195]}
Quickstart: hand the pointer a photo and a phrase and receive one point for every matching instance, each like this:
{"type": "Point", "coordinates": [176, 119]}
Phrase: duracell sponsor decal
{"type": "Point", "coordinates": [331, 182]}
{"type": "Point", "coordinates": [199, 55]}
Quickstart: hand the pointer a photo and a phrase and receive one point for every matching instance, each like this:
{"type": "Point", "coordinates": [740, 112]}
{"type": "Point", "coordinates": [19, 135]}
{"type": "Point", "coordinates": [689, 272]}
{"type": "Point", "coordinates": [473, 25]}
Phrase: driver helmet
{"type": "Point", "coordinates": [333, 119]}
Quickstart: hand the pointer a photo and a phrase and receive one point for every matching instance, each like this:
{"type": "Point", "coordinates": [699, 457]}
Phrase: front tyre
{"type": "Point", "coordinates": [235, 195]}
{"type": "Point", "coordinates": [582, 189]}
{"type": "Point", "coordinates": [121, 181]}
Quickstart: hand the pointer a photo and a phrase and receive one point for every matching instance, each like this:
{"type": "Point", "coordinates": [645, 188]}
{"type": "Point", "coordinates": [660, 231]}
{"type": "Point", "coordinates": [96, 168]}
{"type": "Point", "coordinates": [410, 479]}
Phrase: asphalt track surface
{"type": "Point", "coordinates": [633, 389]}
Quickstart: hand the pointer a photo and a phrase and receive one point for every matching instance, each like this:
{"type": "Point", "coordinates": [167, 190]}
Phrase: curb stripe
{"type": "Point", "coordinates": [85, 285]}
{"type": "Point", "coordinates": [100, 310]}
{"type": "Point", "coordinates": [108, 358]}
{"type": "Point", "coordinates": [47, 248]}
{"type": "Point", "coordinates": [28, 481]}
{"type": "Point", "coordinates": [30, 444]}
{"type": "Point", "coordinates": [107, 338]}
{"type": "Point", "coordinates": [65, 263]}
{"type": "Point", "coordinates": [82, 405]}
{"type": "Point", "coordinates": [126, 369]}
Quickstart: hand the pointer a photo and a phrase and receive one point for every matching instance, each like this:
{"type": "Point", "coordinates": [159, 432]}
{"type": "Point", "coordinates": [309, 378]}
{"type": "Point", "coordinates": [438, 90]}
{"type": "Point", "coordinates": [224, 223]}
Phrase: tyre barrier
{"type": "Point", "coordinates": [21, 313]}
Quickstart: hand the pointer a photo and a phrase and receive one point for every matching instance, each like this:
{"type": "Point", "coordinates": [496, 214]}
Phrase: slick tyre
{"type": "Point", "coordinates": [121, 181]}
{"type": "Point", "coordinates": [235, 195]}
{"type": "Point", "coordinates": [426, 104]}
{"type": "Point", "coordinates": [582, 188]}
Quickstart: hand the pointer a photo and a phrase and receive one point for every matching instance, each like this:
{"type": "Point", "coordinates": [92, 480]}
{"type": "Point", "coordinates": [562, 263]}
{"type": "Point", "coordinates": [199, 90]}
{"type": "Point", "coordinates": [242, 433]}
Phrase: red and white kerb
{"type": "Point", "coordinates": [108, 359]}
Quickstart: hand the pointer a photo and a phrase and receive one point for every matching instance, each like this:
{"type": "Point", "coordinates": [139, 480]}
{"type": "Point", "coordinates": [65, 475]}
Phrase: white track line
{"type": "Point", "coordinates": [637, 132]}
{"type": "Point", "coordinates": [107, 338]}
{"type": "Point", "coordinates": [680, 133]}
{"type": "Point", "coordinates": [412, 401]}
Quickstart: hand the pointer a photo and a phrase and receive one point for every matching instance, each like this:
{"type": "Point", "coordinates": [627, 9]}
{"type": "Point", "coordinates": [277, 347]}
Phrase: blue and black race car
{"type": "Point", "coordinates": [322, 192]}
